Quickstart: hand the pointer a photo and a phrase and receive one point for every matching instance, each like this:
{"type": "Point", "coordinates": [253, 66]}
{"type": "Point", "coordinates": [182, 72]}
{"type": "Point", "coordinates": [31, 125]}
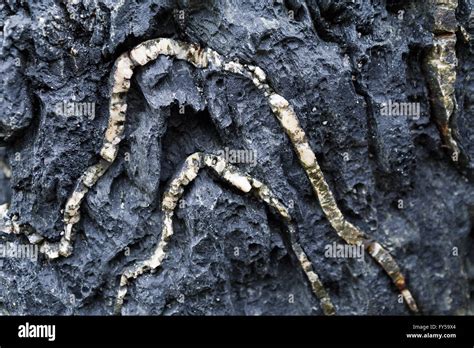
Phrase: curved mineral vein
{"type": "Point", "coordinates": [244, 183]}
{"type": "Point", "coordinates": [206, 58]}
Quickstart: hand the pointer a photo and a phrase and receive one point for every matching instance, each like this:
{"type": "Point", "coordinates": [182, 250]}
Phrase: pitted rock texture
{"type": "Point", "coordinates": [335, 61]}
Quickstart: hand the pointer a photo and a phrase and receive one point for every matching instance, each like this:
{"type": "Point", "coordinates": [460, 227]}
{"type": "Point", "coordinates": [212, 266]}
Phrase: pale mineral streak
{"type": "Point", "coordinates": [440, 64]}
{"type": "Point", "coordinates": [242, 182]}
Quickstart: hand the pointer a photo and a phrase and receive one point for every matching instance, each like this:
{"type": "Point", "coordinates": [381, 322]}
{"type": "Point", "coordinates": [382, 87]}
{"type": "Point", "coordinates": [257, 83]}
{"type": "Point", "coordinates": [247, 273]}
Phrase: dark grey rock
{"type": "Point", "coordinates": [335, 61]}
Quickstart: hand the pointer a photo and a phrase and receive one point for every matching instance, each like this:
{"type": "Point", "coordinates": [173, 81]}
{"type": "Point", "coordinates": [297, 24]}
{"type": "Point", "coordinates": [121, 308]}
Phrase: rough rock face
{"type": "Point", "coordinates": [344, 65]}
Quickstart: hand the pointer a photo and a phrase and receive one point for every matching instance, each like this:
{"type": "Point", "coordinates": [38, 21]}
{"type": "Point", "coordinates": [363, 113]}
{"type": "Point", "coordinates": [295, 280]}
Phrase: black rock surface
{"type": "Point", "coordinates": [335, 61]}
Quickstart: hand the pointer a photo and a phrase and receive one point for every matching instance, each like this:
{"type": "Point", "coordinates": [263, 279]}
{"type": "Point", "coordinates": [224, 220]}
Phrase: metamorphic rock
{"type": "Point", "coordinates": [355, 121]}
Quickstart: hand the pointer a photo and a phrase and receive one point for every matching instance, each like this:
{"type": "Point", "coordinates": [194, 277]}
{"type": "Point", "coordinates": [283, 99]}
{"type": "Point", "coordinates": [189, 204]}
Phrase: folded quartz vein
{"type": "Point", "coordinates": [241, 182]}
{"type": "Point", "coordinates": [206, 58]}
